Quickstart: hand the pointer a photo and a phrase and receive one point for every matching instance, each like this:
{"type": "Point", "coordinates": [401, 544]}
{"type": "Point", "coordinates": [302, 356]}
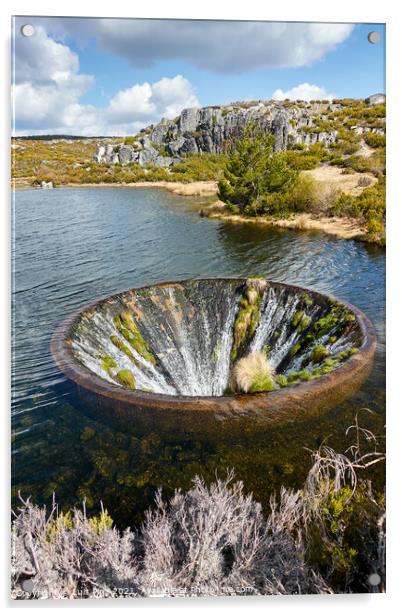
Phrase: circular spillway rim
{"type": "Point", "coordinates": [84, 378]}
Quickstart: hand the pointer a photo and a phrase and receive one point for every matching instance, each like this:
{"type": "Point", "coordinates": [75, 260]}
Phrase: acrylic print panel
{"type": "Point", "coordinates": [198, 308]}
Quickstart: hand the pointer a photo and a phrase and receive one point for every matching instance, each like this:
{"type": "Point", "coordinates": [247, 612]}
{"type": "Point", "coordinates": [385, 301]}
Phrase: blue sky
{"type": "Point", "coordinates": [96, 76]}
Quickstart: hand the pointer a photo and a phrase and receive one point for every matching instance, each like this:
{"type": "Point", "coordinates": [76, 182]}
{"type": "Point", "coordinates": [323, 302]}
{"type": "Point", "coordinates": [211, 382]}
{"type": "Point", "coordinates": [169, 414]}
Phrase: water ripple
{"type": "Point", "coordinates": [72, 246]}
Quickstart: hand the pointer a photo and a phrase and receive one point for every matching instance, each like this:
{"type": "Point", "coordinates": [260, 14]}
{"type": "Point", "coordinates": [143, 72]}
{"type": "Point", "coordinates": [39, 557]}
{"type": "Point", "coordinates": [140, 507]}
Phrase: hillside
{"type": "Point", "coordinates": [341, 144]}
{"type": "Point", "coordinates": [214, 130]}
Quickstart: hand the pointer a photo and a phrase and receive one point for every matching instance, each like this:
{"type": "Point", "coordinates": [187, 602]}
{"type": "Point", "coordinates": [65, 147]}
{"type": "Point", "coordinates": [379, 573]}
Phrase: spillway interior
{"type": "Point", "coordinates": [184, 338]}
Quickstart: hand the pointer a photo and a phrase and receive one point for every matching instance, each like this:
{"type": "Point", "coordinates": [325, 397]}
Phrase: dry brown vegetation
{"type": "Point", "coordinates": [327, 537]}
{"type": "Point", "coordinates": [253, 373]}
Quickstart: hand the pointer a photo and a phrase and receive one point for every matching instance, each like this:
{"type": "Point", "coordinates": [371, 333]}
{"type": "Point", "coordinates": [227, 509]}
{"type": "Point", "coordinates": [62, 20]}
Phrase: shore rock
{"type": "Point", "coordinates": [46, 185]}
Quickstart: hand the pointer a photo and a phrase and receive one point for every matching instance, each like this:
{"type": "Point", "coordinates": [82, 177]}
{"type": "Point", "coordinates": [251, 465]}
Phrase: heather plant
{"type": "Point", "coordinates": [327, 537]}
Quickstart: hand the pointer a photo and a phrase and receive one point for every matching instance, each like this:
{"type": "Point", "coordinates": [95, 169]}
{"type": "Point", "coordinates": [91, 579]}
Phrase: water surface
{"type": "Point", "coordinates": [72, 246]}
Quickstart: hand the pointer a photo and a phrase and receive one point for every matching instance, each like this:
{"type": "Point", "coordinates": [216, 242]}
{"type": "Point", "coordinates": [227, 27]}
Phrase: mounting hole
{"type": "Point", "coordinates": [27, 30]}
{"type": "Point", "coordinates": [374, 579]}
{"type": "Point", "coordinates": [373, 37]}
{"type": "Point", "coordinates": [27, 585]}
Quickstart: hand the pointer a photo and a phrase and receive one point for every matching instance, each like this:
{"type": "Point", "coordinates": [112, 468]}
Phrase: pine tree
{"type": "Point", "coordinates": [254, 171]}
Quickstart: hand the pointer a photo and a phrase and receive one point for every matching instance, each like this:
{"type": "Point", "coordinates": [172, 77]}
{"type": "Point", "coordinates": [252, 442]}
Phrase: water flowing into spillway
{"type": "Point", "coordinates": [184, 338]}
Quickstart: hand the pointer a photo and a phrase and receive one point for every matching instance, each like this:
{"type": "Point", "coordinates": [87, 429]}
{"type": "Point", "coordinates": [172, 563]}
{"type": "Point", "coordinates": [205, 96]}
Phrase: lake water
{"type": "Point", "coordinates": [72, 246]}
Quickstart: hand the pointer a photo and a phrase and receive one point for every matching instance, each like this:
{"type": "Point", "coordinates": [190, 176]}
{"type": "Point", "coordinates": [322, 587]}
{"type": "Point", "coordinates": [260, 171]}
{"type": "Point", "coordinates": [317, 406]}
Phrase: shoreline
{"type": "Point", "coordinates": [340, 227]}
{"type": "Point", "coordinates": [204, 188]}
{"type": "Point", "coordinates": [343, 228]}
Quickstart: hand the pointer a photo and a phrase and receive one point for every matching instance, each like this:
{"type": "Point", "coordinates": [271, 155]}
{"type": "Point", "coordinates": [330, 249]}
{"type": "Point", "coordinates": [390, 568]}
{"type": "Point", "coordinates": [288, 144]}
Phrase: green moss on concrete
{"type": "Point", "coordinates": [126, 378]}
{"type": "Point", "coordinates": [297, 318]}
{"type": "Point", "coordinates": [295, 349]}
{"type": "Point", "coordinates": [107, 363]}
{"type": "Point", "coordinates": [281, 380]}
{"type": "Point", "coordinates": [126, 325]}
{"type": "Point", "coordinates": [216, 352]}
{"type": "Point", "coordinates": [122, 347]}
{"type": "Point", "coordinates": [326, 324]}
{"type": "Point", "coordinates": [266, 349]}
{"type": "Point", "coordinates": [307, 300]}
{"type": "Point", "coordinates": [319, 353]}
{"type": "Point", "coordinates": [262, 383]}
{"type": "Point", "coordinates": [248, 316]}
{"type": "Point", "coordinates": [304, 375]}
{"type": "Point", "coordinates": [343, 355]}
{"type": "Point", "coordinates": [304, 323]}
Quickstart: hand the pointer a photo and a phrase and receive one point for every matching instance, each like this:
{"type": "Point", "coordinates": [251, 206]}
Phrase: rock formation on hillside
{"type": "Point", "coordinates": [215, 129]}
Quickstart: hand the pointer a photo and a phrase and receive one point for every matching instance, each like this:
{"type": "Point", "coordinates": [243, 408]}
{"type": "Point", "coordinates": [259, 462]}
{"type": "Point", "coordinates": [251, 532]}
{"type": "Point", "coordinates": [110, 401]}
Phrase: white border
{"type": "Point", "coordinates": [293, 10]}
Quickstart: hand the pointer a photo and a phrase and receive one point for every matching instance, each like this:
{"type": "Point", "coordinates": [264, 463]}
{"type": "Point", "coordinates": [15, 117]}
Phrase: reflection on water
{"type": "Point", "coordinates": [74, 245]}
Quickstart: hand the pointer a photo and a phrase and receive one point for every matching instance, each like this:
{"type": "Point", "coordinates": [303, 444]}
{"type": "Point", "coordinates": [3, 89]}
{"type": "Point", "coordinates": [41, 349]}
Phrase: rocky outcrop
{"type": "Point", "coordinates": [215, 129]}
{"type": "Point", "coordinates": [196, 130]}
{"type": "Point", "coordinates": [280, 129]}
{"type": "Point", "coordinates": [375, 99]}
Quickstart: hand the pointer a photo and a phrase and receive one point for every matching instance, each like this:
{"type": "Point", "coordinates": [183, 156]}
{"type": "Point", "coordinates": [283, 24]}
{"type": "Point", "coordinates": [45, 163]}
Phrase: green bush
{"type": "Point", "coordinates": [302, 160]}
{"type": "Point", "coordinates": [337, 161]}
{"type": "Point", "coordinates": [129, 140]}
{"type": "Point", "coordinates": [200, 167]}
{"type": "Point", "coordinates": [375, 140]}
{"type": "Point", "coordinates": [368, 206]}
{"type": "Point", "coordinates": [304, 196]}
{"type": "Point", "coordinates": [255, 177]}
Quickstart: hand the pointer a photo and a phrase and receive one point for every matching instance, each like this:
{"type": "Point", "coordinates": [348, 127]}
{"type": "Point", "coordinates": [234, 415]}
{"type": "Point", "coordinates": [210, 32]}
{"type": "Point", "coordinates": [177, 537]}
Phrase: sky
{"type": "Point", "coordinates": [92, 76]}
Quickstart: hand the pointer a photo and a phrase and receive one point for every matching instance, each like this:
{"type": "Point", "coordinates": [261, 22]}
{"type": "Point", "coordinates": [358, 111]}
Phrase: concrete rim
{"type": "Point", "coordinates": [340, 377]}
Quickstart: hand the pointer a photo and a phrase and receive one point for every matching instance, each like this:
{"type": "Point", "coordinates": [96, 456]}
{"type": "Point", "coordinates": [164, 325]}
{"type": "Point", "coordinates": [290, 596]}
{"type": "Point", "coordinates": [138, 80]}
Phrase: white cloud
{"type": "Point", "coordinates": [41, 60]}
{"type": "Point", "coordinates": [304, 91]}
{"type": "Point", "coordinates": [219, 46]}
{"type": "Point", "coordinates": [48, 88]}
{"type": "Point", "coordinates": [149, 102]}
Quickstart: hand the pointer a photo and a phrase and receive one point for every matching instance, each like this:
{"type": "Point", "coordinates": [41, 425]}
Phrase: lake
{"type": "Point", "coordinates": [71, 246]}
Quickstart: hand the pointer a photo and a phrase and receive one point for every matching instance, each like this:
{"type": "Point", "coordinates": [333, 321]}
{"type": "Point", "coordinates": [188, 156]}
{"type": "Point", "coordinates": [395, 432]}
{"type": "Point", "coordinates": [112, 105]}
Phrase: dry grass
{"type": "Point", "coordinates": [332, 179]}
{"type": "Point", "coordinates": [214, 540]}
{"type": "Point", "coordinates": [190, 189]}
{"type": "Point", "coordinates": [345, 228]}
{"type": "Point", "coordinates": [251, 372]}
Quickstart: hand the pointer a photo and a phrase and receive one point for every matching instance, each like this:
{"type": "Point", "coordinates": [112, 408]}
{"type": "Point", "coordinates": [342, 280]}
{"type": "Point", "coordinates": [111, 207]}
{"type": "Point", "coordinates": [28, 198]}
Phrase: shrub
{"type": "Point", "coordinates": [215, 540]}
{"type": "Point", "coordinates": [302, 161]}
{"type": "Point", "coordinates": [368, 206]}
{"type": "Point", "coordinates": [375, 228]}
{"type": "Point", "coordinates": [298, 146]}
{"type": "Point", "coordinates": [375, 140]}
{"type": "Point", "coordinates": [199, 167]}
{"type": "Point", "coordinates": [253, 373]}
{"type": "Point", "coordinates": [364, 181]}
{"type": "Point", "coordinates": [304, 196]}
{"type": "Point", "coordinates": [253, 172]}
